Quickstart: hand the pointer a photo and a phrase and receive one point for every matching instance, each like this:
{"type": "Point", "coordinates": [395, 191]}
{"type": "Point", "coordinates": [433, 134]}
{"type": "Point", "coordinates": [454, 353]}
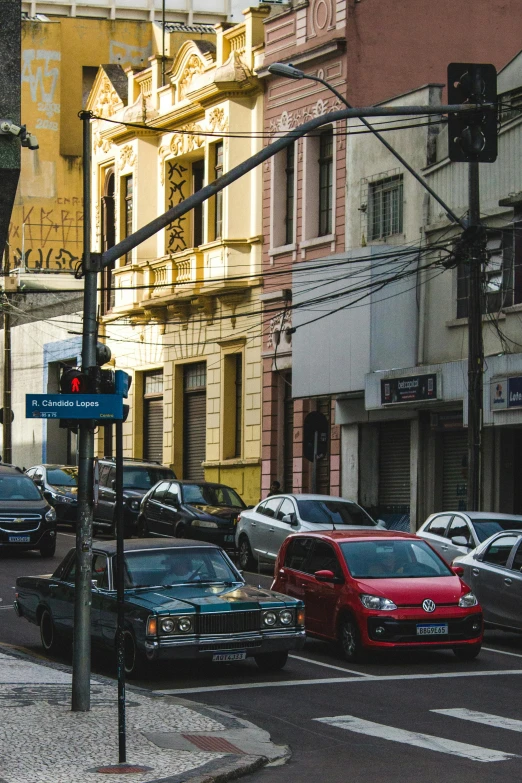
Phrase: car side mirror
{"type": "Point", "coordinates": [290, 519]}
{"type": "Point", "coordinates": [38, 482]}
{"type": "Point", "coordinates": [381, 524]}
{"type": "Point", "coordinates": [325, 576]}
{"type": "Point", "coordinates": [461, 541]}
{"type": "Point", "coordinates": [457, 570]}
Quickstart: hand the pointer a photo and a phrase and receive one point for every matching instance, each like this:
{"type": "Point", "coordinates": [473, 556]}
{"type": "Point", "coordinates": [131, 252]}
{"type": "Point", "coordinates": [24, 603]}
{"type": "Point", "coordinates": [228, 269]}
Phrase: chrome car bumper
{"type": "Point", "coordinates": [205, 646]}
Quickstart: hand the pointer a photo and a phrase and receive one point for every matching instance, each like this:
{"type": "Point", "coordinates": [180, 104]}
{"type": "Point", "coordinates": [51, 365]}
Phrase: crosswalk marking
{"type": "Point", "coordinates": [426, 741]}
{"type": "Point", "coordinates": [483, 717]}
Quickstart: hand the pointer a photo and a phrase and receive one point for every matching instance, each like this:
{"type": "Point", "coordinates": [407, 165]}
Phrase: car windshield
{"type": "Point", "coordinates": [62, 477]}
{"type": "Point", "coordinates": [18, 488]}
{"type": "Point", "coordinates": [484, 528]}
{"type": "Point", "coordinates": [333, 512]}
{"type": "Point", "coordinates": [144, 478]}
{"type": "Point", "coordinates": [211, 495]}
{"type": "Point", "coordinates": [392, 559]}
{"type": "Point", "coordinates": [178, 565]}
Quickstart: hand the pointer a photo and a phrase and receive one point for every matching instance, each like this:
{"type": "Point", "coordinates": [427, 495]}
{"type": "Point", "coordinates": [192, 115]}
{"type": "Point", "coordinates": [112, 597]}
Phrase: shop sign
{"type": "Point", "coordinates": [506, 393]}
{"type": "Point", "coordinates": [414, 388]}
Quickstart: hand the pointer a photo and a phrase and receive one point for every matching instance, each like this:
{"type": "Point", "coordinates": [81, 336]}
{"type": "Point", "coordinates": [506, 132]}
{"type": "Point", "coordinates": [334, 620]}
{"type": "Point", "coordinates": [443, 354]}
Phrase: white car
{"type": "Point", "coordinates": [261, 530]}
{"type": "Point", "coordinates": [455, 533]}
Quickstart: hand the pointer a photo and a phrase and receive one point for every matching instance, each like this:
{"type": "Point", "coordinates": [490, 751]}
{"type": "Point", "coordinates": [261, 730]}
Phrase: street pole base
{"type": "Point", "coordinates": [122, 769]}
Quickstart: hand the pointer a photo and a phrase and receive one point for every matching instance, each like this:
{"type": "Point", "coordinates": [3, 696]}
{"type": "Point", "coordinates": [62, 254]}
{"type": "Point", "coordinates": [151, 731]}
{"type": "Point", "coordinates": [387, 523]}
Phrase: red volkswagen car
{"type": "Point", "coordinates": [375, 589]}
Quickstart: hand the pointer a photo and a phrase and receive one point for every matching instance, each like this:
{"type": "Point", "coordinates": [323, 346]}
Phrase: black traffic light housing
{"type": "Point", "coordinates": [74, 381]}
{"type": "Point", "coordinates": [472, 136]}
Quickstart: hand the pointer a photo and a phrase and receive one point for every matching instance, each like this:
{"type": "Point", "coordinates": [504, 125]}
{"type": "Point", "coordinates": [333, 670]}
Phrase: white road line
{"type": "Point", "coordinates": [337, 681]}
{"type": "Point", "coordinates": [68, 535]}
{"type": "Point", "coordinates": [502, 652]}
{"type": "Point", "coordinates": [6, 607]}
{"type": "Point", "coordinates": [328, 665]}
{"type": "Point", "coordinates": [426, 741]}
{"type": "Point", "coordinates": [483, 717]}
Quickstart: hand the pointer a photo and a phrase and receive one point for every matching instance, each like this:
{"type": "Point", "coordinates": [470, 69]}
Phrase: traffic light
{"type": "Point", "coordinates": [472, 136]}
{"type": "Point", "coordinates": [74, 381]}
{"type": "Point", "coordinates": [101, 381]}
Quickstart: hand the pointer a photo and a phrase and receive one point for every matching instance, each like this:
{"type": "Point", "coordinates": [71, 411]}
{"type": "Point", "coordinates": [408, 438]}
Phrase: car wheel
{"type": "Point", "coordinates": [48, 634]}
{"type": "Point", "coordinates": [245, 556]}
{"type": "Point", "coordinates": [48, 548]}
{"type": "Point", "coordinates": [468, 652]}
{"type": "Point", "coordinates": [350, 640]}
{"type": "Point", "coordinates": [271, 662]}
{"type": "Point", "coordinates": [135, 661]}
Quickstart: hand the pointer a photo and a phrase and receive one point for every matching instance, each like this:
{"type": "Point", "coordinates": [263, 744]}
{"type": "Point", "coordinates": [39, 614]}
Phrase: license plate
{"type": "Point", "coordinates": [19, 539]}
{"type": "Point", "coordinates": [433, 629]}
{"type": "Point", "coordinates": [229, 539]}
{"type": "Point", "coordinates": [229, 656]}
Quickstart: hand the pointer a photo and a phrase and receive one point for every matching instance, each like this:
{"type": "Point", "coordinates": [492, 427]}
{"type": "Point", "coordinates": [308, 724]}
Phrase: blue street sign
{"type": "Point", "coordinates": [74, 406]}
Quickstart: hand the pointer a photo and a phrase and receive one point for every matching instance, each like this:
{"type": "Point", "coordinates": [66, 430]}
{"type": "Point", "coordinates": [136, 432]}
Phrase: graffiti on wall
{"type": "Point", "coordinates": [126, 54]}
{"type": "Point", "coordinates": [48, 238]}
{"type": "Point", "coordinates": [177, 181]}
{"type": "Point", "coordinates": [40, 72]}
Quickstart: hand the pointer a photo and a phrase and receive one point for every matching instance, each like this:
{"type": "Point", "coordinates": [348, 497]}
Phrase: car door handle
{"type": "Point", "coordinates": [270, 529]}
{"type": "Point", "coordinates": [475, 571]}
{"type": "Point", "coordinates": [253, 524]}
{"type": "Point", "coordinates": [507, 580]}
{"type": "Point", "coordinates": [444, 547]}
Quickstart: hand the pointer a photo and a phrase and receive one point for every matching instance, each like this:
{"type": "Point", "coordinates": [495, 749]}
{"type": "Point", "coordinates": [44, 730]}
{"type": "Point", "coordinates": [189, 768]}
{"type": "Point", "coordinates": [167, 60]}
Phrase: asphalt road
{"type": "Point", "coordinates": [400, 718]}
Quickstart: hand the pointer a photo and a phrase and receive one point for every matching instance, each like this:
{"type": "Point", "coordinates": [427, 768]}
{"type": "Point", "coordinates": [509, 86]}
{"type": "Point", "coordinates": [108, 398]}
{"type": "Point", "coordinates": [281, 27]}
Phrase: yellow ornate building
{"type": "Point", "coordinates": [182, 311]}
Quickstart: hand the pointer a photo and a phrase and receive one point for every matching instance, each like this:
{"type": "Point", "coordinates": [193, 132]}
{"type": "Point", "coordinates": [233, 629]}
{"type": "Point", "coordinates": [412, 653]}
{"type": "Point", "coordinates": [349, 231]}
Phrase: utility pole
{"type": "Point", "coordinates": [7, 445]}
{"type": "Point", "coordinates": [81, 694]}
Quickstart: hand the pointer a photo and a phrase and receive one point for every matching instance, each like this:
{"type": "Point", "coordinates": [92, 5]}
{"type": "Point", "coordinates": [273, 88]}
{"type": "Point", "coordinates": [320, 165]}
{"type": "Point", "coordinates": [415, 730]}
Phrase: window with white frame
{"type": "Point", "coordinates": [384, 207]}
{"type": "Point", "coordinates": [319, 185]}
{"type": "Point", "coordinates": [282, 217]}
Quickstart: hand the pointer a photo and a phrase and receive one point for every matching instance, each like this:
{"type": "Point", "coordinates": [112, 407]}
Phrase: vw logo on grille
{"type": "Point", "coordinates": [428, 605]}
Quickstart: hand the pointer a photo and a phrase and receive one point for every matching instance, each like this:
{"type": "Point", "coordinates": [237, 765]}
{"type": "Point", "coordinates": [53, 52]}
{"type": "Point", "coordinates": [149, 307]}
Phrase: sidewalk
{"type": "Point", "coordinates": [42, 741]}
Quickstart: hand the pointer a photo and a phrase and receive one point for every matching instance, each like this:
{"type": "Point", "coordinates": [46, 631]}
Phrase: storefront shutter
{"type": "Point", "coordinates": [394, 467]}
{"type": "Point", "coordinates": [195, 435]}
{"type": "Point", "coordinates": [454, 470]}
{"type": "Point", "coordinates": [288, 467]}
{"type": "Point", "coordinates": [153, 441]}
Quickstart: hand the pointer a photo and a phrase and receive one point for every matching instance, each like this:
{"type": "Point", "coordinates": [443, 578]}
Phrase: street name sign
{"type": "Point", "coordinates": [74, 406]}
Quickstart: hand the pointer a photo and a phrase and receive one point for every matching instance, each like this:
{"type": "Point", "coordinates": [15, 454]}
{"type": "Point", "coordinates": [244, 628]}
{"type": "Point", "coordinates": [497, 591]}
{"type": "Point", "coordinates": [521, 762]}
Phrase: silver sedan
{"type": "Point", "coordinates": [493, 572]}
{"type": "Point", "coordinates": [455, 533]}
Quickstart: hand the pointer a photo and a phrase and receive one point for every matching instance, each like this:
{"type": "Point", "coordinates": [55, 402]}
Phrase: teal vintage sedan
{"type": "Point", "coordinates": [183, 599]}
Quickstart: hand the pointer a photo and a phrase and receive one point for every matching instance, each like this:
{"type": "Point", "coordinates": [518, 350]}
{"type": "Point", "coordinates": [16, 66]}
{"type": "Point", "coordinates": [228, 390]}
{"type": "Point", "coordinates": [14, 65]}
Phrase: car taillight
{"type": "Point", "coordinates": [238, 519]}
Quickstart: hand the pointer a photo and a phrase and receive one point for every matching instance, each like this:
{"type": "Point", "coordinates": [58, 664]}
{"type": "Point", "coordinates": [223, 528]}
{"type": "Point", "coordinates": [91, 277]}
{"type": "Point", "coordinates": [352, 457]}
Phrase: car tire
{"type": "Point", "coordinates": [350, 640]}
{"type": "Point", "coordinates": [48, 548]}
{"type": "Point", "coordinates": [48, 634]}
{"type": "Point", "coordinates": [245, 556]}
{"type": "Point", "coordinates": [135, 661]}
{"type": "Point", "coordinates": [467, 652]}
{"type": "Point", "coordinates": [271, 662]}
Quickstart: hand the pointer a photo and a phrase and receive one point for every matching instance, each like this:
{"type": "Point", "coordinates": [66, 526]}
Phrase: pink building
{"type": "Point", "coordinates": [369, 50]}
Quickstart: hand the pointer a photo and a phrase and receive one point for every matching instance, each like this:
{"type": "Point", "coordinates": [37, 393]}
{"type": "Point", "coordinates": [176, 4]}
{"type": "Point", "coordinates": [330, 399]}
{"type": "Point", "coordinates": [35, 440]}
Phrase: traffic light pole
{"type": "Point", "coordinates": [120, 590]}
{"type": "Point", "coordinates": [475, 343]}
{"type": "Point", "coordinates": [81, 696]}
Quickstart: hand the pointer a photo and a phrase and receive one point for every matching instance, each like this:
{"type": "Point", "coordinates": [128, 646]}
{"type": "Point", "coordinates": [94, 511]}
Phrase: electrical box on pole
{"type": "Point", "coordinates": [472, 136]}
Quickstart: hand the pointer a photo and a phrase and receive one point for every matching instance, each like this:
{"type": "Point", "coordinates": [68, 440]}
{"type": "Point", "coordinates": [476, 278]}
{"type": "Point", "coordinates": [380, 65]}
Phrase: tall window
{"type": "Point", "coordinates": [325, 182]}
{"type": "Point", "coordinates": [289, 194]}
{"type": "Point", "coordinates": [239, 404]}
{"type": "Point", "coordinates": [218, 171]}
{"type": "Point", "coordinates": [127, 211]}
{"type": "Point", "coordinates": [385, 207]}
{"type": "Point", "coordinates": [198, 175]}
{"type": "Point", "coordinates": [108, 240]}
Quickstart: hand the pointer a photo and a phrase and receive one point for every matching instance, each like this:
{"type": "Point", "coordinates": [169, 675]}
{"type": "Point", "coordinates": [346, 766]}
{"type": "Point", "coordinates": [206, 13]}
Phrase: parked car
{"type": "Point", "coordinates": [138, 477]}
{"type": "Point", "coordinates": [494, 572]}
{"type": "Point", "coordinates": [27, 521]}
{"type": "Point", "coordinates": [262, 529]}
{"type": "Point", "coordinates": [454, 533]}
{"type": "Point", "coordinates": [183, 599]}
{"type": "Point", "coordinates": [59, 485]}
{"type": "Point", "coordinates": [187, 509]}
{"type": "Point", "coordinates": [378, 589]}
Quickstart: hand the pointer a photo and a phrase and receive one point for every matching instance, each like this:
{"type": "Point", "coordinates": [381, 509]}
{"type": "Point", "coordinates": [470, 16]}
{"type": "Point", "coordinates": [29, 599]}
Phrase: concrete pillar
{"type": "Point", "coordinates": [415, 472]}
{"type": "Point", "coordinates": [350, 461]}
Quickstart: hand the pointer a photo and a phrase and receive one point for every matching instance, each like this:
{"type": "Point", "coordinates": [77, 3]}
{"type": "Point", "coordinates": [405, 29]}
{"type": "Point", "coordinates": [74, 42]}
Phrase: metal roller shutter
{"type": "Point", "coordinates": [454, 471]}
{"type": "Point", "coordinates": [394, 467]}
{"type": "Point", "coordinates": [288, 466]}
{"type": "Point", "coordinates": [195, 435]}
{"type": "Point", "coordinates": [153, 441]}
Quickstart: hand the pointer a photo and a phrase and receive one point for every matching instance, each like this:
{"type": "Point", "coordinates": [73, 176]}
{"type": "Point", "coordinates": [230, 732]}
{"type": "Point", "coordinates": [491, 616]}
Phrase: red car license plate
{"type": "Point", "coordinates": [432, 629]}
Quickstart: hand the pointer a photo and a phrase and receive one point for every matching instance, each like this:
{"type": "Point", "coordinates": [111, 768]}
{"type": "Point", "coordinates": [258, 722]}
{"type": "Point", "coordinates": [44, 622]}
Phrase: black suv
{"type": "Point", "coordinates": [191, 509]}
{"type": "Point", "coordinates": [59, 485]}
{"type": "Point", "coordinates": [138, 477]}
{"type": "Point", "coordinates": [27, 521]}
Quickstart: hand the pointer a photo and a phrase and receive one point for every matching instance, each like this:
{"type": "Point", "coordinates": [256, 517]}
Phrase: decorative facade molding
{"type": "Point", "coordinates": [192, 69]}
{"type": "Point", "coordinates": [278, 327]}
{"type": "Point", "coordinates": [127, 157]}
{"type": "Point", "coordinates": [108, 101]}
{"type": "Point", "coordinates": [288, 120]}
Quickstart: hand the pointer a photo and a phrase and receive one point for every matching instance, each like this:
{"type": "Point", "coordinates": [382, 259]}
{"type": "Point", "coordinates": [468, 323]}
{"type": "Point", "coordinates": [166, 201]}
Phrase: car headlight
{"type": "Point", "coordinates": [269, 619]}
{"type": "Point", "coordinates": [467, 600]}
{"type": "Point", "coordinates": [184, 624]}
{"type": "Point", "coordinates": [286, 617]}
{"type": "Point", "coordinates": [50, 515]}
{"type": "Point", "coordinates": [376, 602]}
{"type": "Point", "coordinates": [134, 504]}
{"type": "Point", "coordinates": [203, 523]}
{"type": "Point", "coordinates": [167, 625]}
